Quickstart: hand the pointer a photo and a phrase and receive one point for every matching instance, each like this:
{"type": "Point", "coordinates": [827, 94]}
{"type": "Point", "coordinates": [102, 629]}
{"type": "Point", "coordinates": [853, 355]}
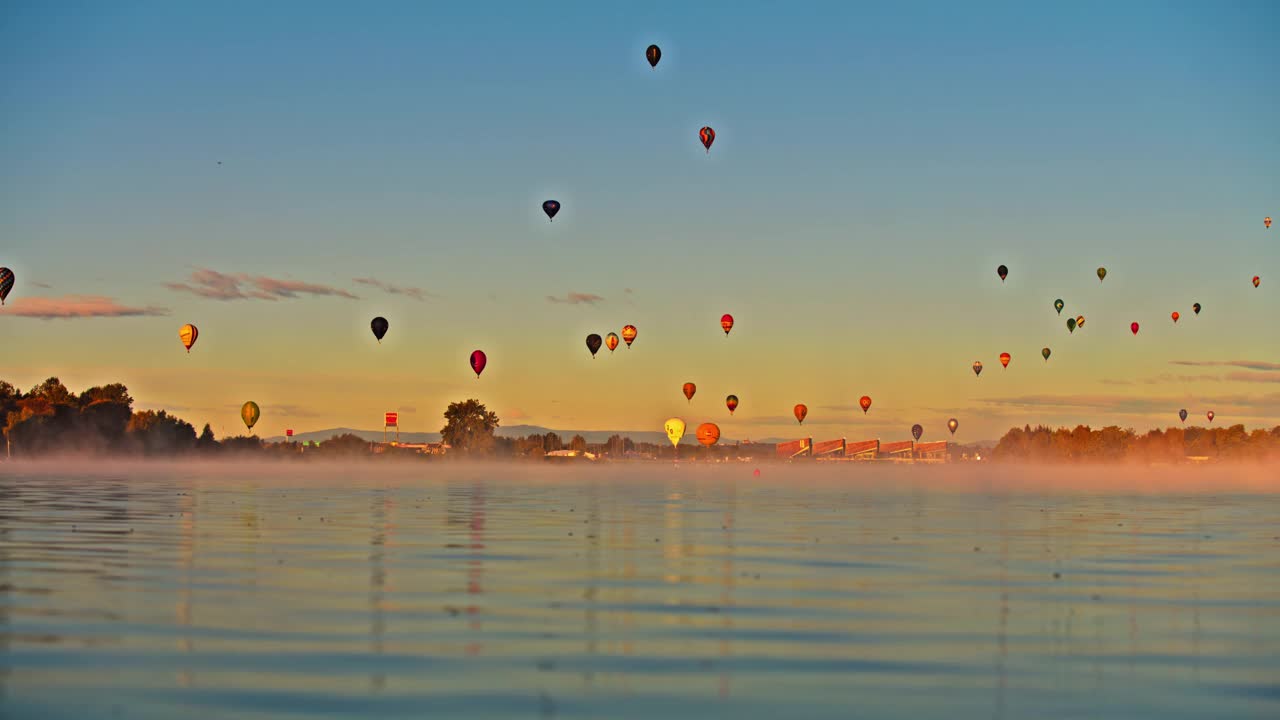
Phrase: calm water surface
{"type": "Point", "coordinates": [528, 592]}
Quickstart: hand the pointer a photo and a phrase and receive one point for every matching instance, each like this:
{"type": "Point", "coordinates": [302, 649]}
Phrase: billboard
{"type": "Point", "coordinates": [391, 419]}
{"type": "Point", "coordinates": [288, 432]}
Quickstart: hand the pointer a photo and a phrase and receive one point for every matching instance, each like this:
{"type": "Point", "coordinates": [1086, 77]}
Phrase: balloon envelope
{"type": "Point", "coordinates": [674, 428]}
{"type": "Point", "coordinates": [593, 343]}
{"type": "Point", "coordinates": [1196, 308]}
{"type": "Point", "coordinates": [801, 411]}
{"type": "Point", "coordinates": [1182, 415]}
{"type": "Point", "coordinates": [6, 283]}
{"type": "Point", "coordinates": [1046, 352]}
{"type": "Point", "coordinates": [952, 424]}
{"type": "Point", "coordinates": [1266, 222]}
{"type": "Point", "coordinates": [708, 434]}
{"type": "Point", "coordinates": [1058, 305]}
{"type": "Point", "coordinates": [916, 432]}
{"type": "Point", "coordinates": [478, 361]}
{"type": "Point", "coordinates": [629, 334]}
{"type": "Point", "coordinates": [1175, 316]}
{"type": "Point", "coordinates": [188, 335]}
{"type": "Point", "coordinates": [1102, 274]}
{"type": "Point", "coordinates": [731, 402]}
{"type": "Point", "coordinates": [689, 389]}
{"type": "Point", "coordinates": [708, 136]}
{"type": "Point", "coordinates": [1134, 328]}
{"type": "Point", "coordinates": [977, 367]}
{"type": "Point", "coordinates": [1209, 415]}
{"type": "Point", "coordinates": [249, 413]}
{"type": "Point", "coordinates": [1003, 272]}
{"type": "Point", "coordinates": [726, 323]}
{"type": "Point", "coordinates": [1256, 280]}
{"type": "Point", "coordinates": [1079, 321]}
{"type": "Point", "coordinates": [1071, 324]}
{"type": "Point", "coordinates": [865, 402]}
{"type": "Point", "coordinates": [611, 341]}
{"type": "Point", "coordinates": [653, 54]}
{"type": "Point", "coordinates": [551, 207]}
{"type": "Point", "coordinates": [1005, 358]}
{"type": "Point", "coordinates": [379, 326]}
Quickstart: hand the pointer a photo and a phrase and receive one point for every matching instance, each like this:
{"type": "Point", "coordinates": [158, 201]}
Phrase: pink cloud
{"type": "Point", "coordinates": [243, 286]}
{"type": "Point", "coordinates": [576, 298]}
{"type": "Point", "coordinates": [1248, 364]}
{"type": "Point", "coordinates": [77, 306]}
{"type": "Point", "coordinates": [413, 292]}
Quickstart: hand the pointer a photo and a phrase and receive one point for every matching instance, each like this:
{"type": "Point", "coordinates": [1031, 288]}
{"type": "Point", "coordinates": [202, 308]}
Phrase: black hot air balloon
{"type": "Point", "coordinates": [1182, 414]}
{"type": "Point", "coordinates": [379, 326]}
{"type": "Point", "coordinates": [1003, 272]}
{"type": "Point", "coordinates": [593, 344]}
{"type": "Point", "coordinates": [653, 54]}
{"type": "Point", "coordinates": [1196, 307]}
{"type": "Point", "coordinates": [1058, 305]}
{"type": "Point", "coordinates": [551, 207]}
{"type": "Point", "coordinates": [916, 432]}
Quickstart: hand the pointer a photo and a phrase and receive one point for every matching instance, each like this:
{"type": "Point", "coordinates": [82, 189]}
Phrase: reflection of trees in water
{"type": "Point", "coordinates": [381, 528]}
{"type": "Point", "coordinates": [470, 520]}
{"type": "Point", "coordinates": [8, 503]}
{"type": "Point", "coordinates": [590, 621]}
{"type": "Point", "coordinates": [186, 555]}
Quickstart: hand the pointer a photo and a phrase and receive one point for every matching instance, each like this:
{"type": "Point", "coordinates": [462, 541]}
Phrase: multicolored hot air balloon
{"type": "Point", "coordinates": [801, 411]}
{"type": "Point", "coordinates": [689, 389]}
{"type": "Point", "coordinates": [1005, 358]}
{"type": "Point", "coordinates": [1266, 222]}
{"type": "Point", "coordinates": [952, 424]}
{"type": "Point", "coordinates": [379, 326]}
{"type": "Point", "coordinates": [1046, 352]}
{"type": "Point", "coordinates": [726, 323]}
{"type": "Point", "coordinates": [188, 334]}
{"type": "Point", "coordinates": [593, 344]}
{"type": "Point", "coordinates": [611, 341]}
{"type": "Point", "coordinates": [1058, 305]}
{"type": "Point", "coordinates": [1182, 414]}
{"type": "Point", "coordinates": [653, 54]}
{"type": "Point", "coordinates": [1071, 324]}
{"type": "Point", "coordinates": [6, 283]}
{"type": "Point", "coordinates": [1003, 272]}
{"type": "Point", "coordinates": [1209, 415]}
{"type": "Point", "coordinates": [731, 402]}
{"type": "Point", "coordinates": [708, 136]}
{"type": "Point", "coordinates": [674, 427]}
{"type": "Point", "coordinates": [977, 367]}
{"type": "Point", "coordinates": [249, 413]}
{"type": "Point", "coordinates": [1175, 317]}
{"type": "Point", "coordinates": [1256, 281]}
{"type": "Point", "coordinates": [1196, 307]}
{"type": "Point", "coordinates": [1079, 321]}
{"type": "Point", "coordinates": [708, 434]}
{"type": "Point", "coordinates": [917, 431]}
{"type": "Point", "coordinates": [629, 333]}
{"type": "Point", "coordinates": [478, 361]}
{"type": "Point", "coordinates": [551, 207]}
{"type": "Point", "coordinates": [1134, 328]}
{"type": "Point", "coordinates": [1102, 274]}
{"type": "Point", "coordinates": [865, 402]}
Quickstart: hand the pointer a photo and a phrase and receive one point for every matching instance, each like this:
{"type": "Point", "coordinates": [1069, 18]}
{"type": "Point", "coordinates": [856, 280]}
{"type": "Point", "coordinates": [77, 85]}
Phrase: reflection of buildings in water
{"type": "Point", "coordinates": [590, 621]}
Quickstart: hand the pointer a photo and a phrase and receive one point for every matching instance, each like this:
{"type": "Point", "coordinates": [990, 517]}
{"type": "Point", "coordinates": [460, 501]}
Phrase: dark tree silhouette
{"type": "Point", "coordinates": [469, 428]}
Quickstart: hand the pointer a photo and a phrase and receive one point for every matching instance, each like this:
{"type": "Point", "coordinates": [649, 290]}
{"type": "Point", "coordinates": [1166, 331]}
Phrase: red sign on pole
{"type": "Point", "coordinates": [288, 433]}
{"type": "Point", "coordinates": [391, 419]}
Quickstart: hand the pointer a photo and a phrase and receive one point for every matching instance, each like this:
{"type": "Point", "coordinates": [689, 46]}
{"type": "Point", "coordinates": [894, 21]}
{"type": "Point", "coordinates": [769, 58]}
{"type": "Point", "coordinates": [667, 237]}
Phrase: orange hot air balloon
{"type": "Point", "coordinates": [1256, 281]}
{"type": "Point", "coordinates": [689, 390]}
{"type": "Point", "coordinates": [726, 323]}
{"type": "Point", "coordinates": [1175, 316]}
{"type": "Point", "coordinates": [731, 402]}
{"type": "Point", "coordinates": [1005, 358]}
{"type": "Point", "coordinates": [1267, 222]}
{"type": "Point", "coordinates": [188, 334]}
{"type": "Point", "coordinates": [708, 434]}
{"type": "Point", "coordinates": [611, 341]}
{"type": "Point", "coordinates": [801, 411]}
{"type": "Point", "coordinates": [977, 368]}
{"type": "Point", "coordinates": [629, 334]}
{"type": "Point", "coordinates": [865, 402]}
{"type": "Point", "coordinates": [708, 136]}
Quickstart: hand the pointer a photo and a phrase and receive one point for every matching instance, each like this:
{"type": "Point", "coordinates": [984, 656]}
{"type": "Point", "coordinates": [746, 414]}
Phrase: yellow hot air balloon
{"type": "Point", "coordinates": [249, 413]}
{"type": "Point", "coordinates": [188, 335]}
{"type": "Point", "coordinates": [675, 430]}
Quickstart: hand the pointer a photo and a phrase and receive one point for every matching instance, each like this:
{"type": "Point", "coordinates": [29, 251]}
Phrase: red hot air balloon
{"type": "Point", "coordinates": [1134, 328]}
{"type": "Point", "coordinates": [1005, 358]}
{"type": "Point", "coordinates": [629, 334]}
{"type": "Point", "coordinates": [689, 390]}
{"type": "Point", "coordinates": [1256, 281]}
{"type": "Point", "coordinates": [865, 402]}
{"type": "Point", "coordinates": [1175, 317]}
{"type": "Point", "coordinates": [801, 411]}
{"type": "Point", "coordinates": [708, 136]}
{"type": "Point", "coordinates": [731, 402]}
{"type": "Point", "coordinates": [726, 323]}
{"type": "Point", "coordinates": [1209, 415]}
{"type": "Point", "coordinates": [478, 361]}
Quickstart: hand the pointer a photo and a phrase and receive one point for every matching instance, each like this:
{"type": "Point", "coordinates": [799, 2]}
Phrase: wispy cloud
{"type": "Point", "coordinates": [1247, 364]}
{"type": "Point", "coordinates": [243, 286]}
{"type": "Point", "coordinates": [77, 306]}
{"type": "Point", "coordinates": [46, 286]}
{"type": "Point", "coordinates": [412, 292]}
{"type": "Point", "coordinates": [1262, 377]}
{"type": "Point", "coordinates": [576, 298]}
{"type": "Point", "coordinates": [1128, 404]}
{"type": "Point", "coordinates": [290, 411]}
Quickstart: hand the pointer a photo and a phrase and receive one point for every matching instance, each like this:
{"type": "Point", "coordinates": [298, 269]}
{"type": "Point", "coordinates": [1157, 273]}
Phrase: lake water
{"type": "Point", "coordinates": [648, 591]}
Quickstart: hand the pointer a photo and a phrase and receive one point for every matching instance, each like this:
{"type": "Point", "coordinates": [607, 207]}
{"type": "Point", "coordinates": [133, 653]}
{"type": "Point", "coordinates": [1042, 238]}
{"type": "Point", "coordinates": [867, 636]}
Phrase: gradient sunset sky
{"type": "Point", "coordinates": [873, 164]}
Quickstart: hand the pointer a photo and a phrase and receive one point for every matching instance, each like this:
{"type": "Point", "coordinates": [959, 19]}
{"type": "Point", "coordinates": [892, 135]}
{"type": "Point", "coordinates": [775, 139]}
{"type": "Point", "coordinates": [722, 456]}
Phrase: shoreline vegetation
{"type": "Point", "coordinates": [50, 421]}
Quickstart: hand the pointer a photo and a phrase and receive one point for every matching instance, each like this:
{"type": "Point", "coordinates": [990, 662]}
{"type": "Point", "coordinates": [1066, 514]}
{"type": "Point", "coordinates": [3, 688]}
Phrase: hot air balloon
{"type": "Point", "coordinates": [952, 424]}
{"type": "Point", "coordinates": [249, 413]}
{"type": "Point", "coordinates": [593, 344]}
{"type": "Point", "coordinates": [674, 428]}
{"type": "Point", "coordinates": [1267, 222]}
{"type": "Point", "coordinates": [1102, 274]}
{"type": "Point", "coordinates": [1256, 280]}
{"type": "Point", "coordinates": [1209, 415]}
{"type": "Point", "coordinates": [629, 334]}
{"type": "Point", "coordinates": [1046, 352]}
{"type": "Point", "coordinates": [1005, 358]}
{"type": "Point", "coordinates": [1134, 328]}
{"type": "Point", "coordinates": [379, 326]}
{"type": "Point", "coordinates": [6, 283]}
{"type": "Point", "coordinates": [1058, 305]}
{"type": "Point", "coordinates": [611, 341]}
{"type": "Point", "coordinates": [653, 54]}
{"type": "Point", "coordinates": [1182, 414]}
{"type": "Point", "coordinates": [188, 334]}
{"type": "Point", "coordinates": [551, 207]}
{"type": "Point", "coordinates": [708, 434]}
{"type": "Point", "coordinates": [1003, 272]}
{"type": "Point", "coordinates": [801, 411]}
{"type": "Point", "coordinates": [731, 402]}
{"type": "Point", "coordinates": [1079, 321]}
{"type": "Point", "coordinates": [916, 432]}
{"type": "Point", "coordinates": [708, 136]}
{"type": "Point", "coordinates": [726, 323]}
{"type": "Point", "coordinates": [865, 402]}
{"type": "Point", "coordinates": [1175, 317]}
{"type": "Point", "coordinates": [689, 390]}
{"type": "Point", "coordinates": [478, 361]}
{"type": "Point", "coordinates": [1071, 324]}
{"type": "Point", "coordinates": [1196, 308]}
{"type": "Point", "coordinates": [977, 367]}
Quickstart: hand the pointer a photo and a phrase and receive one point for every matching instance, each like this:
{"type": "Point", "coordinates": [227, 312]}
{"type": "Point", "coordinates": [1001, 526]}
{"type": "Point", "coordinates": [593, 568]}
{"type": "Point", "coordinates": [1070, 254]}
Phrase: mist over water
{"type": "Point", "coordinates": [253, 590]}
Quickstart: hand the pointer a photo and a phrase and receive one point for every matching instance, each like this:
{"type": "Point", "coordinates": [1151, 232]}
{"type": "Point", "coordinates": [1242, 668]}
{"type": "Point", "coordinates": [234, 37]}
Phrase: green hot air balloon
{"type": "Point", "coordinates": [1046, 352]}
{"type": "Point", "coordinates": [1102, 274]}
{"type": "Point", "coordinates": [250, 413]}
{"type": "Point", "coordinates": [1058, 305]}
{"type": "Point", "coordinates": [1071, 324]}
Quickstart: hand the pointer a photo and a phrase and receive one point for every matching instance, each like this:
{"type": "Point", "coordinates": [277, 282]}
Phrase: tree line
{"type": "Point", "coordinates": [1113, 444]}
